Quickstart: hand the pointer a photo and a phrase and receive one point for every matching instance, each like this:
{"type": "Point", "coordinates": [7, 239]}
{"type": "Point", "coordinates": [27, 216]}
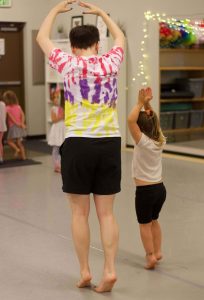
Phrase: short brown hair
{"type": "Point", "coordinates": [84, 36]}
{"type": "Point", "coordinates": [10, 98]}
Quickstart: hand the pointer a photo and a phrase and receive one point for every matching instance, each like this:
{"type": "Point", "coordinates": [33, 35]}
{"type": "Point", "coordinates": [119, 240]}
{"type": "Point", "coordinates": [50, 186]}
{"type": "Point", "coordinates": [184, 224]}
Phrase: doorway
{"type": "Point", "coordinates": [12, 59]}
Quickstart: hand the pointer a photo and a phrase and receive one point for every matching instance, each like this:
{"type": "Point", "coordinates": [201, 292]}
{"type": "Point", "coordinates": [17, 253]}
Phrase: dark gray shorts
{"type": "Point", "coordinates": [91, 165]}
{"type": "Point", "coordinates": [149, 200]}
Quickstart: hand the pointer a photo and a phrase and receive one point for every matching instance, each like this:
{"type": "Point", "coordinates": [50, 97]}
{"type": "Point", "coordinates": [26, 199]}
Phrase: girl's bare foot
{"type": "Point", "coordinates": [23, 157]}
{"type": "Point", "coordinates": [151, 261]}
{"type": "Point", "coordinates": [106, 283]}
{"type": "Point", "coordinates": [85, 280]}
{"type": "Point", "coordinates": [159, 256]}
{"type": "Point", "coordinates": [22, 153]}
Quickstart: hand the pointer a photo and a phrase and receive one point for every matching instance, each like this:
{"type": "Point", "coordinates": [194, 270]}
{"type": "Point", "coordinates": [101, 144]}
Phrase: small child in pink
{"type": "Point", "coordinates": [16, 124]}
{"type": "Point", "coordinates": [56, 134]}
{"type": "Point", "coordinates": [3, 127]}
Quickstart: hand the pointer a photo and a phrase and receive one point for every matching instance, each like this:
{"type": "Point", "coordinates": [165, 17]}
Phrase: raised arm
{"type": "Point", "coordinates": [43, 37]}
{"type": "Point", "coordinates": [116, 32]}
{"type": "Point", "coordinates": [144, 98]}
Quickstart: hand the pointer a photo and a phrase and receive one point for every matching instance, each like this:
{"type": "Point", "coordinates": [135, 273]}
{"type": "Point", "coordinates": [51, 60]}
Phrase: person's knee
{"type": "Point", "coordinates": [80, 213]}
{"type": "Point", "coordinates": [145, 226]}
{"type": "Point", "coordinates": [19, 143]}
{"type": "Point", "coordinates": [104, 214]}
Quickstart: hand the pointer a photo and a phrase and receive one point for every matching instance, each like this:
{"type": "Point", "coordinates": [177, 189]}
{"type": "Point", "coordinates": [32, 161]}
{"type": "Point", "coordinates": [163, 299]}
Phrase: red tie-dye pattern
{"type": "Point", "coordinates": [84, 71]}
{"type": "Point", "coordinates": [61, 67]}
{"type": "Point", "coordinates": [94, 79]}
{"type": "Point", "coordinates": [103, 67]}
{"type": "Point", "coordinates": [98, 67]}
{"type": "Point", "coordinates": [73, 78]}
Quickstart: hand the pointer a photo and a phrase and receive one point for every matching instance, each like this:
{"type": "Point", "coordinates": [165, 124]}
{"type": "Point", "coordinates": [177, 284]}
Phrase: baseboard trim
{"type": "Point", "coordinates": [36, 137]}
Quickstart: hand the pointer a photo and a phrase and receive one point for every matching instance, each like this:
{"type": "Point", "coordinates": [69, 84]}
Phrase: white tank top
{"type": "Point", "coordinates": [147, 160]}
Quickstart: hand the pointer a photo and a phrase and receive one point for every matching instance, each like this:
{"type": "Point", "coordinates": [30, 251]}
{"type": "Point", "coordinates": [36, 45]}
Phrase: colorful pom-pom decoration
{"type": "Point", "coordinates": [182, 34]}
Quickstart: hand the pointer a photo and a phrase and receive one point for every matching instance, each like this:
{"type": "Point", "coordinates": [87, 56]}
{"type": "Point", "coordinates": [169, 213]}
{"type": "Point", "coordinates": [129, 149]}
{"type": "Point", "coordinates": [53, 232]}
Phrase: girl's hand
{"type": "Point", "coordinates": [145, 95]}
{"type": "Point", "coordinates": [148, 94]}
{"type": "Point", "coordinates": [91, 9]}
{"type": "Point", "coordinates": [64, 6]}
{"type": "Point", "coordinates": [141, 97]}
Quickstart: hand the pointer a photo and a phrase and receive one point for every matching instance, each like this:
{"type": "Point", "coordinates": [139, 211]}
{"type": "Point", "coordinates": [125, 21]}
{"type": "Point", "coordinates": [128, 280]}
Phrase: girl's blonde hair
{"type": "Point", "coordinates": [10, 98]}
{"type": "Point", "coordinates": [150, 126]}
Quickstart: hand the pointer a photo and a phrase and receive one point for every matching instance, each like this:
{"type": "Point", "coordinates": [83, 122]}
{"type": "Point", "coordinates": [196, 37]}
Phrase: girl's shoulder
{"type": "Point", "coordinates": [147, 142]}
{"type": "Point", "coordinates": [13, 107]}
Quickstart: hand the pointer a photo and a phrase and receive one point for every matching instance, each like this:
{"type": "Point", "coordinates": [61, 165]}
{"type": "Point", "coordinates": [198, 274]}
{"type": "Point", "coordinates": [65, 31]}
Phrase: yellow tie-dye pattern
{"type": "Point", "coordinates": [89, 112]}
{"type": "Point", "coordinates": [71, 116]}
{"type": "Point", "coordinates": [90, 119]}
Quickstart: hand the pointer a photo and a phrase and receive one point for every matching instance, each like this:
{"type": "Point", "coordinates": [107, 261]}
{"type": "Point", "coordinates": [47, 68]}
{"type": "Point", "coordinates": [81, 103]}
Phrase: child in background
{"type": "Point", "coordinates": [16, 124]}
{"type": "Point", "coordinates": [56, 135]}
{"type": "Point", "coordinates": [147, 173]}
{"type": "Point", "coordinates": [3, 127]}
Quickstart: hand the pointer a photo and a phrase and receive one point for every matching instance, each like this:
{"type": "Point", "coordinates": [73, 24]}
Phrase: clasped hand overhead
{"type": "Point", "coordinates": [65, 6]}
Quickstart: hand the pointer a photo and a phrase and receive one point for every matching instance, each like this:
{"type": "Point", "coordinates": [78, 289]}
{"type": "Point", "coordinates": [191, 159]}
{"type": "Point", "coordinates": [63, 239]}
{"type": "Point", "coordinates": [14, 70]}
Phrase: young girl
{"type": "Point", "coordinates": [56, 135]}
{"type": "Point", "coordinates": [3, 127]}
{"type": "Point", "coordinates": [147, 173]}
{"type": "Point", "coordinates": [16, 124]}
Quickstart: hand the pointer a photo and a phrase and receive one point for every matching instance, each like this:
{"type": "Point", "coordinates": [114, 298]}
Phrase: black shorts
{"type": "Point", "coordinates": [91, 165]}
{"type": "Point", "coordinates": [149, 200]}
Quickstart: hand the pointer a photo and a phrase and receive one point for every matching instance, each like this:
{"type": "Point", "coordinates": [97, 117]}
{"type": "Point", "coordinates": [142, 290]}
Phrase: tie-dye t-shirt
{"type": "Point", "coordinates": [90, 90]}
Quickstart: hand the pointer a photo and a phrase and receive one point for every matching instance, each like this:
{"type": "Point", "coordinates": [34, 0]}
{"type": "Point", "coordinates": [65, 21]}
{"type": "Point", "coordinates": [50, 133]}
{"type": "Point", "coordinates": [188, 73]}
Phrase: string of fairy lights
{"type": "Point", "coordinates": [188, 26]}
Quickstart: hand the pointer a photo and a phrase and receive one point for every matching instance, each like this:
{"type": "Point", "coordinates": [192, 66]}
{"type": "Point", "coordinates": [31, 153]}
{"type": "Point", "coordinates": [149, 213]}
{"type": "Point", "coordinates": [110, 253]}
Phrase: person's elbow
{"type": "Point", "coordinates": [120, 40]}
{"type": "Point", "coordinates": [38, 38]}
{"type": "Point", "coordinates": [130, 120]}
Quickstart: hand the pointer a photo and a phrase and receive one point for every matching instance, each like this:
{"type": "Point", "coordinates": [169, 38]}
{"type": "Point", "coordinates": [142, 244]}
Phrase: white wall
{"type": "Point", "coordinates": [30, 12]}
{"type": "Point", "coordinates": [128, 12]}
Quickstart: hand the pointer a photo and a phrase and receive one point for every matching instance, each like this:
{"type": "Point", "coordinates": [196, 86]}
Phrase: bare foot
{"type": "Point", "coordinates": [22, 153]}
{"type": "Point", "coordinates": [106, 284]}
{"type": "Point", "coordinates": [159, 256]}
{"type": "Point", "coordinates": [85, 281]}
{"type": "Point", "coordinates": [23, 157]}
{"type": "Point", "coordinates": [151, 261]}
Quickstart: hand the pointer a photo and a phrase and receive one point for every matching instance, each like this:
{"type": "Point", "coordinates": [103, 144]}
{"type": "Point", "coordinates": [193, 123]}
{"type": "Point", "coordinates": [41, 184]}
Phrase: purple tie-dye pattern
{"type": "Point", "coordinates": [108, 86]}
{"type": "Point", "coordinates": [84, 88]}
{"type": "Point", "coordinates": [68, 96]}
{"type": "Point", "coordinates": [106, 98]}
{"type": "Point", "coordinates": [96, 96]}
{"type": "Point", "coordinates": [114, 98]}
{"type": "Point", "coordinates": [115, 94]}
{"type": "Point", "coordinates": [97, 88]}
